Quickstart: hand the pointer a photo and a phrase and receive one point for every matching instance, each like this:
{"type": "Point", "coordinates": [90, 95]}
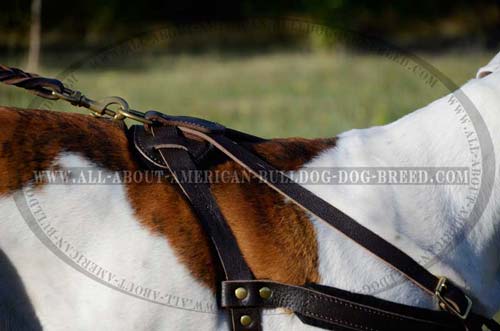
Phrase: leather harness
{"type": "Point", "coordinates": [178, 143]}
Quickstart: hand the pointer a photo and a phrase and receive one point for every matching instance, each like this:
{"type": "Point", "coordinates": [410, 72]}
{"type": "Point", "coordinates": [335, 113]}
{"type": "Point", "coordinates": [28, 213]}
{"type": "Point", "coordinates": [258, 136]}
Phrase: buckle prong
{"type": "Point", "coordinates": [446, 304]}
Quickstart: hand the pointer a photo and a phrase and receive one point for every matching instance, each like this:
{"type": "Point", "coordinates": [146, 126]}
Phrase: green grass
{"type": "Point", "coordinates": [274, 94]}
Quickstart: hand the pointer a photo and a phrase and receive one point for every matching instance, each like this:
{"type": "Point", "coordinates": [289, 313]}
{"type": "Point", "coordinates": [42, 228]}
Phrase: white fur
{"type": "Point", "coordinates": [99, 222]}
{"type": "Point", "coordinates": [414, 217]}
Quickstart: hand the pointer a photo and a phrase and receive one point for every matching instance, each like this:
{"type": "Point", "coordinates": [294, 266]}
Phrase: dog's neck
{"type": "Point", "coordinates": [422, 220]}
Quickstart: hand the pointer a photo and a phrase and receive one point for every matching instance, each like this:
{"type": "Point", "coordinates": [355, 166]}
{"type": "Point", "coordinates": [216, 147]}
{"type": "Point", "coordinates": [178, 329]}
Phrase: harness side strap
{"type": "Point", "coordinates": [449, 293]}
{"type": "Point", "coordinates": [178, 160]}
{"type": "Point", "coordinates": [337, 309]}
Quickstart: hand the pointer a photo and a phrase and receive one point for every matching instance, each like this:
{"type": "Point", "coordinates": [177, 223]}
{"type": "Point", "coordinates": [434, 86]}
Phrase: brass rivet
{"type": "Point", "coordinates": [241, 293]}
{"type": "Point", "coordinates": [265, 293]}
{"type": "Point", "coordinates": [245, 320]}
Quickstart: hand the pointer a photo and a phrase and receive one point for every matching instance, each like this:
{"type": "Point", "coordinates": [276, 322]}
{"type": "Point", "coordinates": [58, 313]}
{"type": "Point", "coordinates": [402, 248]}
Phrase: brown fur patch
{"type": "Point", "coordinates": [31, 139]}
{"type": "Point", "coordinates": [276, 238]}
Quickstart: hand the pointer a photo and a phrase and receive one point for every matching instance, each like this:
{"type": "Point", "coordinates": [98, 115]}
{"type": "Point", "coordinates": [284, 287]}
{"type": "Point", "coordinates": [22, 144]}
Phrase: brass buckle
{"type": "Point", "coordinates": [447, 305]}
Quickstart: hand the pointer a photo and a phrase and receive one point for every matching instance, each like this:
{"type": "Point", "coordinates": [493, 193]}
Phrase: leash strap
{"type": "Point", "coordinates": [40, 86]}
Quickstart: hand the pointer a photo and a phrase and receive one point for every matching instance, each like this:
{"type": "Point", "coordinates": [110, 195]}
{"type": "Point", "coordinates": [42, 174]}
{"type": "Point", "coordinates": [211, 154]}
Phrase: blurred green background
{"type": "Point", "coordinates": [267, 77]}
{"type": "Point", "coordinates": [283, 93]}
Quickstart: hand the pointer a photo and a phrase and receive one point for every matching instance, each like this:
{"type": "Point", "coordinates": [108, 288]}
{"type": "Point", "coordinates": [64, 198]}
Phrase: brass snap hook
{"type": "Point", "coordinates": [123, 112]}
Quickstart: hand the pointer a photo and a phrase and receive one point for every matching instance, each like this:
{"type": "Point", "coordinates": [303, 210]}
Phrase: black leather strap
{"type": "Point", "coordinates": [175, 156]}
{"type": "Point", "coordinates": [146, 144]}
{"type": "Point", "coordinates": [337, 309]}
{"type": "Point", "coordinates": [201, 125]}
{"type": "Point", "coordinates": [315, 304]}
{"type": "Point", "coordinates": [337, 219]}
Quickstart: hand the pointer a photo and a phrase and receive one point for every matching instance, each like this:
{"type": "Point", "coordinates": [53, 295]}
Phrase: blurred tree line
{"type": "Point", "coordinates": [93, 23]}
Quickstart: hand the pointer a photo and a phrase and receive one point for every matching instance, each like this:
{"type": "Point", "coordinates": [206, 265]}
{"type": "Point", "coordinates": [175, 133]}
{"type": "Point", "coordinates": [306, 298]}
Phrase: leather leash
{"type": "Point", "coordinates": [173, 143]}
